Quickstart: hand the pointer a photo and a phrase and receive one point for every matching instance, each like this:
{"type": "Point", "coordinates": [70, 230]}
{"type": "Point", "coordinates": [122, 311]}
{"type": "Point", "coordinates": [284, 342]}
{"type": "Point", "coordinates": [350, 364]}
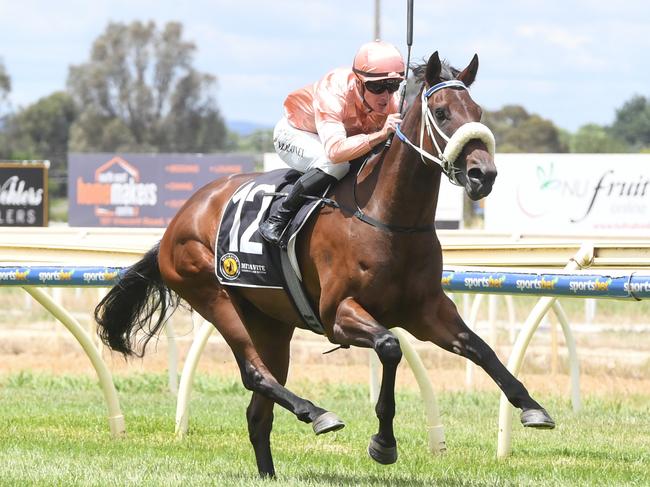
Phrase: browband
{"type": "Point", "coordinates": [454, 83]}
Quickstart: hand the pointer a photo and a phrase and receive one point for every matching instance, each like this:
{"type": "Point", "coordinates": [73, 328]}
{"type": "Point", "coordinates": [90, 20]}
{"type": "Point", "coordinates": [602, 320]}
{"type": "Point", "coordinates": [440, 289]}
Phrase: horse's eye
{"type": "Point", "coordinates": [440, 114]}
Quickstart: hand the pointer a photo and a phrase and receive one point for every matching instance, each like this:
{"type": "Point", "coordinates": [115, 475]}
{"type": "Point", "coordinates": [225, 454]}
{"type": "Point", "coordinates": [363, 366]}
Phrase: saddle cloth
{"type": "Point", "coordinates": [243, 257]}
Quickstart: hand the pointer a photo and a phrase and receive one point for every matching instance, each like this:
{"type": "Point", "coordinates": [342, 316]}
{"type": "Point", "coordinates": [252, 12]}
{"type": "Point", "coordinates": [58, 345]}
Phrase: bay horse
{"type": "Point", "coordinates": [364, 271]}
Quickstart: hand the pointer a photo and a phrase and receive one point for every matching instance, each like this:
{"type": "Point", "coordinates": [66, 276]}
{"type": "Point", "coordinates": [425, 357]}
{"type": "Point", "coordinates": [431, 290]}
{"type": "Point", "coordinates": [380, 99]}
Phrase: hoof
{"type": "Point", "coordinates": [382, 454]}
{"type": "Point", "coordinates": [327, 422]}
{"type": "Point", "coordinates": [537, 418]}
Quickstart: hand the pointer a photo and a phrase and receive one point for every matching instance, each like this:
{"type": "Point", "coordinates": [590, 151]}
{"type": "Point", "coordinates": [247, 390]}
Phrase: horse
{"type": "Point", "coordinates": [364, 271]}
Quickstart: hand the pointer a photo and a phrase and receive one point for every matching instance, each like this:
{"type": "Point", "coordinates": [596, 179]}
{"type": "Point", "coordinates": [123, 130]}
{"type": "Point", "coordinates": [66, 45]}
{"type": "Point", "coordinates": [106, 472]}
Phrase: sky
{"type": "Point", "coordinates": [573, 62]}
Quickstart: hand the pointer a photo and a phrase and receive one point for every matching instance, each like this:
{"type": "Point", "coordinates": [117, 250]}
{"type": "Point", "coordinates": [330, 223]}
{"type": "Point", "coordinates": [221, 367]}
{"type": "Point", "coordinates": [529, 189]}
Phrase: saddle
{"type": "Point", "coordinates": [243, 258]}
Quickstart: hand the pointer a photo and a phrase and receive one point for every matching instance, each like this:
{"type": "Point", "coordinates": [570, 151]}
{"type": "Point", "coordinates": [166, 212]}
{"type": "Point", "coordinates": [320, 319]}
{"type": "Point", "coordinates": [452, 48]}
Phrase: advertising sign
{"type": "Point", "coordinates": [141, 190]}
{"type": "Point", "coordinates": [23, 194]}
{"type": "Point", "coordinates": [570, 193]}
{"type": "Point", "coordinates": [449, 213]}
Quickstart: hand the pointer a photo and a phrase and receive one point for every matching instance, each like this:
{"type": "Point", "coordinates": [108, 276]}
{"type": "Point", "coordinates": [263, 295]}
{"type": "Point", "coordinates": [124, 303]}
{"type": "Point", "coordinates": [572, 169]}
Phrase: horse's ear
{"type": "Point", "coordinates": [468, 75]}
{"type": "Point", "coordinates": [433, 69]}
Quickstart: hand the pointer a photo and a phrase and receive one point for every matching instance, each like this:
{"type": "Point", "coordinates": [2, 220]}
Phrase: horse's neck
{"type": "Point", "coordinates": [406, 190]}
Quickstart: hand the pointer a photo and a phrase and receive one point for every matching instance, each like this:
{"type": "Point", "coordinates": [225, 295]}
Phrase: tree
{"type": "Point", "coordinates": [139, 92]}
{"type": "Point", "coordinates": [5, 88]}
{"type": "Point", "coordinates": [632, 123]}
{"type": "Point", "coordinates": [41, 131]}
{"type": "Point", "coordinates": [5, 85]}
{"type": "Point", "coordinates": [592, 138]}
{"type": "Point", "coordinates": [515, 130]}
{"type": "Point", "coordinates": [260, 140]}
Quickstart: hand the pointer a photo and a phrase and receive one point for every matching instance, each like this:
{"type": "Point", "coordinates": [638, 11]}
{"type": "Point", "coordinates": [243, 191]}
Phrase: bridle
{"type": "Point", "coordinates": [446, 159]}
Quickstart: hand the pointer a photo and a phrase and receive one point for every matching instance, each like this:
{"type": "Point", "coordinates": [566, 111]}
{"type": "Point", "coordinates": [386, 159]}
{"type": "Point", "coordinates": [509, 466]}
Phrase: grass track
{"type": "Point", "coordinates": [53, 431]}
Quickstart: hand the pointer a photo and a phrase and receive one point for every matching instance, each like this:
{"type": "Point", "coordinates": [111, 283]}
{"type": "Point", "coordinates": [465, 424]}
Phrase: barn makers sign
{"type": "Point", "coordinates": [23, 194]}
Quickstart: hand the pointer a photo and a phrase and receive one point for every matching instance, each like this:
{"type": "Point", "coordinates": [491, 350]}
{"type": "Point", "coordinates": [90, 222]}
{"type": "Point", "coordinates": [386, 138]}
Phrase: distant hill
{"type": "Point", "coordinates": [244, 128]}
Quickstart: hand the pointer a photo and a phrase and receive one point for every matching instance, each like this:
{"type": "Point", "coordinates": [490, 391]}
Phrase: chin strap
{"type": "Point", "coordinates": [466, 132]}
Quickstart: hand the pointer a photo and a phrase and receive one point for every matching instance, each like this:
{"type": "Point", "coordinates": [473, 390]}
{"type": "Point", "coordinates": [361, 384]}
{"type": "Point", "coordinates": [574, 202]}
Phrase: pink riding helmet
{"type": "Point", "coordinates": [378, 60]}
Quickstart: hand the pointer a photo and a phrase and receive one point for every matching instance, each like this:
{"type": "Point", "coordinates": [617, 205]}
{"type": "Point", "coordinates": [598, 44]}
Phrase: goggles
{"type": "Point", "coordinates": [378, 87]}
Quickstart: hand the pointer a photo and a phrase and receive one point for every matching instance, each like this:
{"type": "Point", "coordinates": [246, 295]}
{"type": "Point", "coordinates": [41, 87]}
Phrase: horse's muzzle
{"type": "Point", "coordinates": [479, 182]}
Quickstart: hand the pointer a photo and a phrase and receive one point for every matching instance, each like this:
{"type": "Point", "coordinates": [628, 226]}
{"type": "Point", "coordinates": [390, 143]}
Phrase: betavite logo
{"type": "Point", "coordinates": [117, 190]}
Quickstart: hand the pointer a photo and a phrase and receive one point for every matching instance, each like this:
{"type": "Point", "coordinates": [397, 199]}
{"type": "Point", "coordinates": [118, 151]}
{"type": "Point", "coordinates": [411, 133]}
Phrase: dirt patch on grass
{"type": "Point", "coordinates": [57, 352]}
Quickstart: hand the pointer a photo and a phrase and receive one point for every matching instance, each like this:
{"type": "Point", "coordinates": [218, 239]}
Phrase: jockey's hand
{"type": "Point", "coordinates": [393, 120]}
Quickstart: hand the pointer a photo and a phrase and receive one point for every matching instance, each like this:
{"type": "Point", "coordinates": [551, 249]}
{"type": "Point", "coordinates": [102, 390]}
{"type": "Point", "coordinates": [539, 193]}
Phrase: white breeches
{"type": "Point", "coordinates": [303, 151]}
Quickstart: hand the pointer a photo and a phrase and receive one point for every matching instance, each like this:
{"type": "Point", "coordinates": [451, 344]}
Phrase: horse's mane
{"type": "Point", "coordinates": [447, 71]}
{"type": "Point", "coordinates": [418, 70]}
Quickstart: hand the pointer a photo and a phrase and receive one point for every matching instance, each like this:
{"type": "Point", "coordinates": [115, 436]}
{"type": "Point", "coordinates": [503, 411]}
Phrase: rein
{"type": "Point", "coordinates": [386, 227]}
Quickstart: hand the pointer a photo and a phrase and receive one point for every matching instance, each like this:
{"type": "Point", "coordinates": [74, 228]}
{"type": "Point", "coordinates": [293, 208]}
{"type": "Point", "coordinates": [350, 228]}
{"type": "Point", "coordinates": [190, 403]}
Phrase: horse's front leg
{"type": "Point", "coordinates": [441, 324]}
{"type": "Point", "coordinates": [355, 326]}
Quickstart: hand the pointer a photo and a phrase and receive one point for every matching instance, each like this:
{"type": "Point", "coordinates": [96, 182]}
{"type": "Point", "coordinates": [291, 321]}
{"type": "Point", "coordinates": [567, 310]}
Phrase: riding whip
{"type": "Point", "coordinates": [409, 43]}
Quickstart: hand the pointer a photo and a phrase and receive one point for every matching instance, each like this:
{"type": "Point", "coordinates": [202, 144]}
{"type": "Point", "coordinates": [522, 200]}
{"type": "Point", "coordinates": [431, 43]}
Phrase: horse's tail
{"type": "Point", "coordinates": [130, 306]}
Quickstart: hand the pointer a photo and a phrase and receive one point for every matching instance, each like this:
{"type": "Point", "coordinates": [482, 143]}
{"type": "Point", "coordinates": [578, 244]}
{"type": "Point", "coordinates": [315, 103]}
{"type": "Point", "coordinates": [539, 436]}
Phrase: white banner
{"type": "Point", "coordinates": [570, 193]}
{"type": "Point", "coordinates": [449, 213]}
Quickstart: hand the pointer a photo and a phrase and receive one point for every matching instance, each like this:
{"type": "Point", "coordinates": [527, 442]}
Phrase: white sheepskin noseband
{"type": "Point", "coordinates": [465, 133]}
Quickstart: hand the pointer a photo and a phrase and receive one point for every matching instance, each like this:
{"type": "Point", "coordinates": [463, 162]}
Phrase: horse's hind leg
{"type": "Point", "coordinates": [259, 416]}
{"type": "Point", "coordinates": [267, 387]}
{"type": "Point", "coordinates": [272, 342]}
{"type": "Point", "coordinates": [188, 269]}
{"type": "Point", "coordinates": [267, 335]}
{"type": "Point", "coordinates": [274, 351]}
{"type": "Point", "coordinates": [444, 327]}
{"type": "Point", "coordinates": [355, 326]}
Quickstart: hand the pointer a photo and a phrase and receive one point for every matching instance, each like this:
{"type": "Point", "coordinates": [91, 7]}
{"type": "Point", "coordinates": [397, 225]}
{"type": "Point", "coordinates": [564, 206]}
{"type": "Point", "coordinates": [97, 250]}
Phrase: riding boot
{"type": "Point", "coordinates": [312, 183]}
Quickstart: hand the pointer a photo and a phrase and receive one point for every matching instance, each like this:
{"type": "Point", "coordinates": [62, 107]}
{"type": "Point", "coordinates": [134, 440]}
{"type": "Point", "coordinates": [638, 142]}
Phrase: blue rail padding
{"type": "Point", "coordinates": [60, 276]}
{"type": "Point", "coordinates": [620, 286]}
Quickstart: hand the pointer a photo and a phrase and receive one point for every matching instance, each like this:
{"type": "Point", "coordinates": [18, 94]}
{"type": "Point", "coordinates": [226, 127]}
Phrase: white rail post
{"type": "Point", "coordinates": [574, 363]}
{"type": "Point", "coordinates": [582, 258]}
{"type": "Point", "coordinates": [492, 319]}
{"type": "Point", "coordinates": [512, 319]}
{"type": "Point", "coordinates": [187, 377]}
{"type": "Point", "coordinates": [115, 416]}
{"type": "Point", "coordinates": [435, 428]}
{"type": "Point", "coordinates": [172, 357]}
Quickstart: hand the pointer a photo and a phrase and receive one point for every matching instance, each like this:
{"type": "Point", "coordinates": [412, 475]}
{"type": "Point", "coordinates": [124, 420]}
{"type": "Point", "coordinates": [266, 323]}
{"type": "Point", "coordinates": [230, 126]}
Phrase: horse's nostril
{"type": "Point", "coordinates": [476, 174]}
{"type": "Point", "coordinates": [481, 177]}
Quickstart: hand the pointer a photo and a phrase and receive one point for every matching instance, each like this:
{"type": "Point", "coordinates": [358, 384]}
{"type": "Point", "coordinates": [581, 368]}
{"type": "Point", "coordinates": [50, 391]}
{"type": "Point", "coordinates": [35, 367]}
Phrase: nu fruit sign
{"type": "Point", "coordinates": [570, 193]}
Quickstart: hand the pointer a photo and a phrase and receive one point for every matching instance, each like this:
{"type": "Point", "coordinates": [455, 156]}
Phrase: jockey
{"type": "Point", "coordinates": [339, 118]}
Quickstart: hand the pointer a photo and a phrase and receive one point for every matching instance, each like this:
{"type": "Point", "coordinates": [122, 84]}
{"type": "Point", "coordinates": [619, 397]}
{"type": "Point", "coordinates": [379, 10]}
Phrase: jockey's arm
{"type": "Point", "coordinates": [338, 146]}
{"type": "Point", "coordinates": [329, 106]}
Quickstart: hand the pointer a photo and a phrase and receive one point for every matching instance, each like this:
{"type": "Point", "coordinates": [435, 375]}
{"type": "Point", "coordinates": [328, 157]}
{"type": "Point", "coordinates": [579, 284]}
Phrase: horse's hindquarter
{"type": "Point", "coordinates": [187, 246]}
{"type": "Point", "coordinates": [187, 253]}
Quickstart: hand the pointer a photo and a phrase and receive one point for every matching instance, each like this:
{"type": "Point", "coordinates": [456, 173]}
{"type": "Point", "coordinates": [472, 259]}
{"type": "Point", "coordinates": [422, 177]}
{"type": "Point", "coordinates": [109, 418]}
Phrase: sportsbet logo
{"type": "Point", "coordinates": [542, 283]}
{"type": "Point", "coordinates": [60, 275]}
{"type": "Point", "coordinates": [14, 275]}
{"type": "Point", "coordinates": [446, 280]}
{"type": "Point", "coordinates": [590, 285]}
{"type": "Point", "coordinates": [484, 282]}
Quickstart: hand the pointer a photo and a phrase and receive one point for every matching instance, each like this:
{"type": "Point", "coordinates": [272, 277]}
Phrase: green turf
{"type": "Point", "coordinates": [53, 431]}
